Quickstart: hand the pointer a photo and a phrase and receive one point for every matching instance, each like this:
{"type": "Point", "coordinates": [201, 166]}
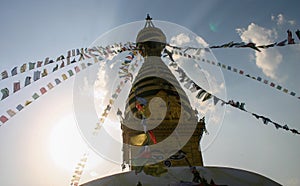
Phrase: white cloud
{"type": "Point", "coordinates": [180, 39]}
{"type": "Point", "coordinates": [280, 20]}
{"type": "Point", "coordinates": [267, 60]}
{"type": "Point", "coordinates": [201, 41]}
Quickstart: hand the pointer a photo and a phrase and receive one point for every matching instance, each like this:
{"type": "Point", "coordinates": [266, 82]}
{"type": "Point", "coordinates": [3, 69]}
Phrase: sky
{"type": "Point", "coordinates": [42, 144]}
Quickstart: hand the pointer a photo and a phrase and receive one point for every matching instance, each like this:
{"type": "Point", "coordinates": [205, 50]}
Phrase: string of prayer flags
{"type": "Point", "coordinates": [235, 70]}
{"type": "Point", "coordinates": [114, 96]}
{"type": "Point", "coordinates": [38, 74]}
{"type": "Point", "coordinates": [79, 170]}
{"type": "Point", "coordinates": [35, 96]}
{"type": "Point", "coordinates": [204, 95]}
{"type": "Point", "coordinates": [289, 41]}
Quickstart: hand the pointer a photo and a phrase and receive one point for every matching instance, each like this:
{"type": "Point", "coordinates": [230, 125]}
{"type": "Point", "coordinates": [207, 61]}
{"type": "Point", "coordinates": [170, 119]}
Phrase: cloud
{"type": "Point", "coordinates": [281, 20]}
{"type": "Point", "coordinates": [180, 39]}
{"type": "Point", "coordinates": [267, 60]}
{"type": "Point", "coordinates": [201, 41]}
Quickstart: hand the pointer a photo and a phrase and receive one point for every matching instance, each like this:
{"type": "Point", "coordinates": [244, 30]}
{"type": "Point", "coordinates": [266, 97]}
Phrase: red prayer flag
{"type": "Point", "coordinates": [43, 90]}
{"type": "Point", "coordinates": [3, 119]}
{"type": "Point", "coordinates": [16, 86]}
{"type": "Point", "coordinates": [153, 138]}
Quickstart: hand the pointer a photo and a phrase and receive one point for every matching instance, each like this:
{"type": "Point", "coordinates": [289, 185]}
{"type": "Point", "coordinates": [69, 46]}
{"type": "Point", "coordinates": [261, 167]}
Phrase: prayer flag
{"type": "Point", "coordinates": [285, 90]}
{"type": "Point", "coordinates": [10, 112]}
{"type": "Point", "coordinates": [64, 76]}
{"type": "Point", "coordinates": [39, 64]}
{"type": "Point", "coordinates": [19, 107]}
{"type": "Point", "coordinates": [272, 84]}
{"type": "Point", "coordinates": [55, 68]}
{"type": "Point", "coordinates": [27, 80]}
{"type": "Point", "coordinates": [31, 65]}
{"type": "Point", "coordinates": [50, 86]}
{"type": "Point", "coordinates": [16, 86]}
{"type": "Point", "coordinates": [70, 73]}
{"type": "Point", "coordinates": [45, 73]}
{"type": "Point", "coordinates": [62, 64]}
{"type": "Point", "coordinates": [46, 61]}
{"type": "Point", "coordinates": [278, 87]}
{"type": "Point", "coordinates": [215, 100]}
{"type": "Point", "coordinates": [5, 93]}
{"type": "Point", "coordinates": [57, 81]}
{"type": "Point", "coordinates": [77, 69]}
{"type": "Point", "coordinates": [4, 74]}
{"type": "Point", "coordinates": [27, 102]}
{"type": "Point", "coordinates": [293, 93]}
{"type": "Point", "coordinates": [153, 138]}
{"type": "Point", "coordinates": [200, 94]}
{"type": "Point", "coordinates": [206, 97]}
{"type": "Point", "coordinates": [35, 96]}
{"type": "Point", "coordinates": [14, 71]}
{"type": "Point", "coordinates": [43, 90]}
{"type": "Point", "coordinates": [258, 79]}
{"type": "Point", "coordinates": [3, 119]}
{"type": "Point", "coordinates": [36, 75]}
{"type": "Point", "coordinates": [23, 68]}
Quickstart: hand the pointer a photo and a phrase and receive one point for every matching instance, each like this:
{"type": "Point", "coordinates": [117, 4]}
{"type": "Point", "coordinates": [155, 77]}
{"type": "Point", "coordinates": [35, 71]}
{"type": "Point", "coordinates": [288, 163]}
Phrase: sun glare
{"type": "Point", "coordinates": [66, 144]}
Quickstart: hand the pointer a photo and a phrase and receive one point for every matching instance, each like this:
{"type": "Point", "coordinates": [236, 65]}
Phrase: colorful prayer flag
{"type": "Point", "coordinates": [3, 119]}
{"type": "Point", "coordinates": [31, 65]}
{"type": "Point", "coordinates": [57, 81]}
{"type": "Point", "coordinates": [27, 80]}
{"type": "Point", "coordinates": [4, 74]}
{"type": "Point", "coordinates": [14, 71]}
{"type": "Point", "coordinates": [46, 61]}
{"type": "Point", "coordinates": [23, 68]}
{"type": "Point", "coordinates": [10, 112]}
{"type": "Point", "coordinates": [39, 64]}
{"type": "Point", "coordinates": [43, 90]}
{"type": "Point", "coordinates": [19, 107]}
{"type": "Point", "coordinates": [27, 102]}
{"type": "Point", "coordinates": [45, 73]}
{"type": "Point", "coordinates": [200, 94]}
{"type": "Point", "coordinates": [35, 96]}
{"type": "Point", "coordinates": [206, 97]}
{"type": "Point", "coordinates": [64, 76]}
{"type": "Point", "coordinates": [50, 86]}
{"type": "Point", "coordinates": [70, 73]}
{"type": "Point", "coordinates": [62, 64]}
{"type": "Point", "coordinates": [55, 68]}
{"type": "Point", "coordinates": [16, 86]}
{"type": "Point", "coordinates": [285, 90]}
{"type": "Point", "coordinates": [278, 87]}
{"type": "Point", "coordinates": [77, 69]}
{"type": "Point", "coordinates": [5, 93]}
{"type": "Point", "coordinates": [36, 75]}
